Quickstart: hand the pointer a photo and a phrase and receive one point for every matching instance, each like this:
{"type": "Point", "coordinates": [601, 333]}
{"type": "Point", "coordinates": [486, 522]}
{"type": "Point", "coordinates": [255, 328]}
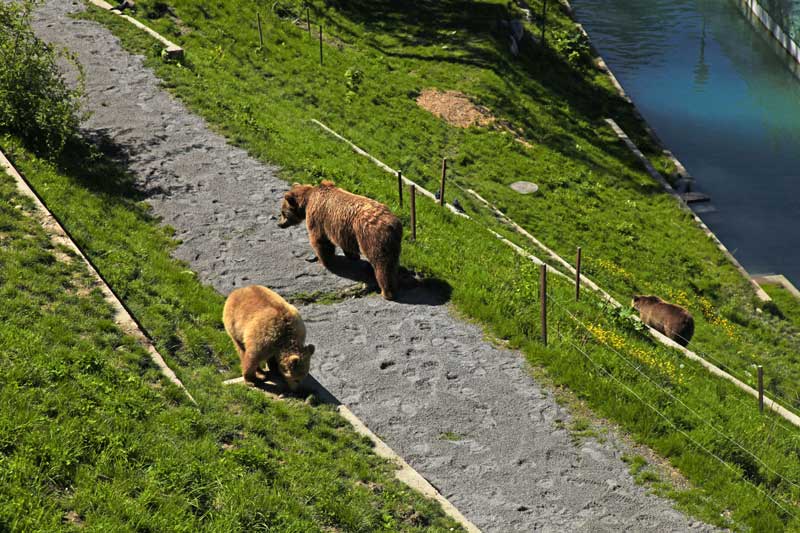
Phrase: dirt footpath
{"type": "Point", "coordinates": [462, 412]}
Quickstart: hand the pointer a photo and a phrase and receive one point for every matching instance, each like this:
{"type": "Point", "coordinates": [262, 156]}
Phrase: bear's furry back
{"type": "Point", "coordinates": [262, 321]}
{"type": "Point", "coordinates": [352, 221]}
{"type": "Point", "coordinates": [672, 320]}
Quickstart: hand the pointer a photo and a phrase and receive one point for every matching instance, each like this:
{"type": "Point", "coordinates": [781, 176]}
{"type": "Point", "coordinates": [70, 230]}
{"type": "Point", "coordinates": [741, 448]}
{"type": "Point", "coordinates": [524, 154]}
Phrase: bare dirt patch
{"type": "Point", "coordinates": [458, 110]}
{"type": "Point", "coordinates": [455, 108]}
{"type": "Point", "coordinates": [72, 518]}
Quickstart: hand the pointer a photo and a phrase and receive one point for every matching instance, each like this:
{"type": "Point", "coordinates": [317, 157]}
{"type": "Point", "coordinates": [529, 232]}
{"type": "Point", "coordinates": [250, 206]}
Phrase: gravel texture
{"type": "Point", "coordinates": [463, 412]}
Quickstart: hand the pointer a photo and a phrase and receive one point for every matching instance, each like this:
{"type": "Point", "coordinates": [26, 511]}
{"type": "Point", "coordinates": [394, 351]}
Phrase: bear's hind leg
{"type": "Point", "coordinates": [386, 276]}
{"type": "Point", "coordinates": [352, 254]}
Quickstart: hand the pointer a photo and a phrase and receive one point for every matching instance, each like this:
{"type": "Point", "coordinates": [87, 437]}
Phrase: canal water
{"type": "Point", "coordinates": [725, 104]}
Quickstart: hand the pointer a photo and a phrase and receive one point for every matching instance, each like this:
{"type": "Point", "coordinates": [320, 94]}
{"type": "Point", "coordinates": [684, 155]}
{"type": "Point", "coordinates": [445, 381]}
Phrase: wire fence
{"type": "Point", "coordinates": [782, 506]}
{"type": "Point", "coordinates": [676, 399]}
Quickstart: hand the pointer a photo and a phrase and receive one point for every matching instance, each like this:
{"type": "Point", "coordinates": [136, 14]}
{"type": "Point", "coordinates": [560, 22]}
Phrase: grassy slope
{"type": "Point", "coordinates": [87, 425]}
{"type": "Point", "coordinates": [593, 195]}
{"type": "Point", "coordinates": [593, 192]}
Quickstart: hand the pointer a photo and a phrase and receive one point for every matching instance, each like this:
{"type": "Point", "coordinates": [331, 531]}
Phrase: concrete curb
{"type": "Point", "coordinates": [762, 20]}
{"type": "Point", "coordinates": [404, 473]}
{"type": "Point", "coordinates": [122, 316]}
{"type": "Point", "coordinates": [779, 280]}
{"type": "Point", "coordinates": [171, 50]}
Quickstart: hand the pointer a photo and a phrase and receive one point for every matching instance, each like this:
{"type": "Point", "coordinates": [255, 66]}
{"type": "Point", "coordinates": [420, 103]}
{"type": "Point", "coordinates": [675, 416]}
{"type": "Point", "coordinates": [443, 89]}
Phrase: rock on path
{"type": "Point", "coordinates": [410, 372]}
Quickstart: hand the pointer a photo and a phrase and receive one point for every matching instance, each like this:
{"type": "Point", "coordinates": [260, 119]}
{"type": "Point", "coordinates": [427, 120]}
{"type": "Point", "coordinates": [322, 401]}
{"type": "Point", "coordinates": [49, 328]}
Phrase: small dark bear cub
{"type": "Point", "coordinates": [356, 224]}
{"type": "Point", "coordinates": [672, 320]}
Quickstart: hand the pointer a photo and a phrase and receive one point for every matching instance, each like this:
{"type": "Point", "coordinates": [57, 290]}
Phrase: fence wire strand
{"type": "Point", "coordinates": [676, 399]}
{"type": "Point", "coordinates": [674, 426]}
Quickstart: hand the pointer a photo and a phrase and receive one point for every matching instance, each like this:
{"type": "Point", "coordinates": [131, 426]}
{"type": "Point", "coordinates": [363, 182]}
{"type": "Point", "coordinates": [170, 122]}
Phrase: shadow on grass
{"type": "Point", "coordinates": [479, 33]}
{"type": "Point", "coordinates": [274, 385]}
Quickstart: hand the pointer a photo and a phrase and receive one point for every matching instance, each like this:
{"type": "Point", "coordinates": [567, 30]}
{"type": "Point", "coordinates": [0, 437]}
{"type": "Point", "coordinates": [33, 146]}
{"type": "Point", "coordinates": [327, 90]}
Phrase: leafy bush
{"type": "Point", "coordinates": [35, 102]}
{"type": "Point", "coordinates": [353, 78]}
{"type": "Point", "coordinates": [574, 46]}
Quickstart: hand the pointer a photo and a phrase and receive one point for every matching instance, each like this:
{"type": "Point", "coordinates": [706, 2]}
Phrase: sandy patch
{"type": "Point", "coordinates": [455, 108]}
{"type": "Point", "coordinates": [458, 110]}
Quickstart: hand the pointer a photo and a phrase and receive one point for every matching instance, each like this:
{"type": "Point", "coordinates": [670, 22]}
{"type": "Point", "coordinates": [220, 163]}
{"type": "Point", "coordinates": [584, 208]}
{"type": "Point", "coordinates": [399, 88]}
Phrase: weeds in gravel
{"type": "Point", "coordinates": [592, 193]}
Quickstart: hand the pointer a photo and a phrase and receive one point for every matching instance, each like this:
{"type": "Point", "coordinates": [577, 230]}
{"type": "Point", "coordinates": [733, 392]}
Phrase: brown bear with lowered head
{"type": "Point", "coordinates": [672, 320]}
{"type": "Point", "coordinates": [354, 223]}
{"type": "Point", "coordinates": [265, 328]}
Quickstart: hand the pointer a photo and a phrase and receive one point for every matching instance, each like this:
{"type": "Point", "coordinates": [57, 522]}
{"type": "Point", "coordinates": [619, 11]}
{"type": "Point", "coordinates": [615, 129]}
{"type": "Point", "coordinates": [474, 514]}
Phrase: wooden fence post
{"type": "Point", "coordinates": [260, 34]}
{"type": "Point", "coordinates": [444, 176]}
{"type": "Point", "coordinates": [320, 44]}
{"type": "Point", "coordinates": [413, 200]}
{"type": "Point", "coordinates": [308, 23]}
{"type": "Point", "coordinates": [400, 187]}
{"type": "Point", "coordinates": [578, 275]}
{"type": "Point", "coordinates": [761, 389]}
{"type": "Point", "coordinates": [544, 19]}
{"type": "Point", "coordinates": [543, 300]}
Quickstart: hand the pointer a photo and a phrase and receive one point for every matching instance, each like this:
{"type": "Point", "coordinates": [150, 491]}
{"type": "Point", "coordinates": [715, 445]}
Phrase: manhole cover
{"type": "Point", "coordinates": [524, 187]}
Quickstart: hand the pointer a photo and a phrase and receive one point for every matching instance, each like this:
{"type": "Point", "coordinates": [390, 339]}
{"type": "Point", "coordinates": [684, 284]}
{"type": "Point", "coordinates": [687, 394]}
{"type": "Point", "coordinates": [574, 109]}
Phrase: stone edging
{"type": "Point", "coordinates": [122, 317]}
{"type": "Point", "coordinates": [404, 473]}
{"type": "Point", "coordinates": [171, 50]}
{"type": "Point", "coordinates": [779, 280]}
{"type": "Point", "coordinates": [756, 14]}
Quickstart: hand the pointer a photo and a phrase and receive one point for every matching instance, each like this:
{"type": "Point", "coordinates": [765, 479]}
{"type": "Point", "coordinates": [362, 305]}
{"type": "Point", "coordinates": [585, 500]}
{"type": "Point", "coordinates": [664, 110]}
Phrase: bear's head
{"type": "Point", "coordinates": [294, 365]}
{"type": "Point", "coordinates": [293, 206]}
{"type": "Point", "coordinates": [639, 301]}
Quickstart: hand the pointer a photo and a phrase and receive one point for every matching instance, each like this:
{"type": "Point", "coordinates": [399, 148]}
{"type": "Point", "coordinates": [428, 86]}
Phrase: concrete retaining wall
{"type": "Point", "coordinates": [762, 20]}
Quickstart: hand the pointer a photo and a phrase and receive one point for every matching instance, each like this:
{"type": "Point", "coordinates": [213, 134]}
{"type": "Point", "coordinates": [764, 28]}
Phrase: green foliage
{"type": "Point", "coordinates": [35, 102]}
{"type": "Point", "coordinates": [573, 46]}
{"type": "Point", "coordinates": [622, 317]}
{"type": "Point", "coordinates": [353, 78]}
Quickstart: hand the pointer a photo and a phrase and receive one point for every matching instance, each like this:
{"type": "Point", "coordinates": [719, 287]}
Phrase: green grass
{"type": "Point", "coordinates": [451, 436]}
{"type": "Point", "coordinates": [788, 306]}
{"type": "Point", "coordinates": [593, 194]}
{"type": "Point", "coordinates": [92, 436]}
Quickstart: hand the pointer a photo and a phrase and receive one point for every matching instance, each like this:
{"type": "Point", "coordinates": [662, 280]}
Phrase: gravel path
{"type": "Point", "coordinates": [410, 372]}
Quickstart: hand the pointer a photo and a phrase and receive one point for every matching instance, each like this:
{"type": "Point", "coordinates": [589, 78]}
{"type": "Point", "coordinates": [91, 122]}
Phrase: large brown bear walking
{"type": "Point", "coordinates": [266, 328]}
{"type": "Point", "coordinates": [672, 320]}
{"type": "Point", "coordinates": [354, 223]}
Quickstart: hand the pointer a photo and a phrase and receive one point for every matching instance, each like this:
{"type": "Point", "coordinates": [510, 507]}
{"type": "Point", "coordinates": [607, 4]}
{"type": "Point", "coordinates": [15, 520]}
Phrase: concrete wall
{"type": "Point", "coordinates": [763, 21]}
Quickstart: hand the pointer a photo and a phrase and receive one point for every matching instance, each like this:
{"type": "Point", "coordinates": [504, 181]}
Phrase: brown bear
{"type": "Point", "coordinates": [354, 223]}
{"type": "Point", "coordinates": [266, 328]}
{"type": "Point", "coordinates": [672, 320]}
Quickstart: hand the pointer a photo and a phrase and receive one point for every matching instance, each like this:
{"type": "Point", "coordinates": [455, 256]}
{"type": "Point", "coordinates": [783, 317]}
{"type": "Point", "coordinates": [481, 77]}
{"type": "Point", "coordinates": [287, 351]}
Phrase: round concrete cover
{"type": "Point", "coordinates": [524, 187]}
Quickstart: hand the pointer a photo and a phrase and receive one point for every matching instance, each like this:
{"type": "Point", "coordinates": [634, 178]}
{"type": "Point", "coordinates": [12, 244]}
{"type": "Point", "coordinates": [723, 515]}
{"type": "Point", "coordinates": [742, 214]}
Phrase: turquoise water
{"type": "Point", "coordinates": [725, 103]}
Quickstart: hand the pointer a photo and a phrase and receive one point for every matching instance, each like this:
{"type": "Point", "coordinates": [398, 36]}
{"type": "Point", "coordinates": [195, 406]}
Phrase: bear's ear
{"type": "Point", "coordinates": [290, 199]}
{"type": "Point", "coordinates": [636, 297]}
{"type": "Point", "coordinates": [295, 184]}
{"type": "Point", "coordinates": [308, 350]}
